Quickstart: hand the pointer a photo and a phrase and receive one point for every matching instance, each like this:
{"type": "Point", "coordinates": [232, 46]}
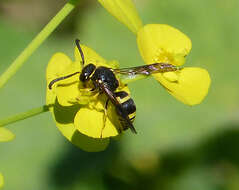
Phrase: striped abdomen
{"type": "Point", "coordinates": [127, 104]}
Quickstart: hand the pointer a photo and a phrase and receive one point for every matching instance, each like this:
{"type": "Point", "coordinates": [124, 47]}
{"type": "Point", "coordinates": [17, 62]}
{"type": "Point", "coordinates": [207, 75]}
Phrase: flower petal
{"type": "Point", "coordinates": [67, 90]}
{"type": "Point", "coordinates": [189, 85]}
{"type": "Point", "coordinates": [90, 123]}
{"type": "Point", "coordinates": [90, 56]}
{"type": "Point", "coordinates": [1, 180]}
{"type": "Point", "coordinates": [6, 135]}
{"type": "Point", "coordinates": [124, 11]}
{"type": "Point", "coordinates": [90, 120]}
{"type": "Point", "coordinates": [57, 65]}
{"type": "Point", "coordinates": [67, 94]}
{"type": "Point", "coordinates": [55, 68]}
{"type": "Point", "coordinates": [64, 118]}
{"type": "Point", "coordinates": [163, 43]}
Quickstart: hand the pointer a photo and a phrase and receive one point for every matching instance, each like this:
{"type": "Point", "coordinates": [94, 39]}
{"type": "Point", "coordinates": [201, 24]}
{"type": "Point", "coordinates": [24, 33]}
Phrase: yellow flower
{"type": "Point", "coordinates": [1, 180]}
{"type": "Point", "coordinates": [124, 11]}
{"type": "Point", "coordinates": [163, 43]}
{"type": "Point", "coordinates": [78, 113]}
{"type": "Point", "coordinates": [6, 135]}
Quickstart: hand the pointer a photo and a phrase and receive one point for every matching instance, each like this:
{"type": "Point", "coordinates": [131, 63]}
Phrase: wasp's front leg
{"type": "Point", "coordinates": [104, 117]}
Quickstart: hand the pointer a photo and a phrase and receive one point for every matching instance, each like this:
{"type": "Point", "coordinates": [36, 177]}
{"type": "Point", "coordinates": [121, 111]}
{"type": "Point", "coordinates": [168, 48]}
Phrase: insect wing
{"type": "Point", "coordinates": [124, 118]}
{"type": "Point", "coordinates": [135, 73]}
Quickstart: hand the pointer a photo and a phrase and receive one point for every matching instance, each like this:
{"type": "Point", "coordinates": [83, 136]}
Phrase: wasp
{"type": "Point", "coordinates": [106, 80]}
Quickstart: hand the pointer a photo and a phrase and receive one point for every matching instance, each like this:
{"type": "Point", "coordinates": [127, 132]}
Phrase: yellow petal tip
{"type": "Point", "coordinates": [191, 87]}
{"type": "Point", "coordinates": [6, 135]}
{"type": "Point", "coordinates": [1, 180]}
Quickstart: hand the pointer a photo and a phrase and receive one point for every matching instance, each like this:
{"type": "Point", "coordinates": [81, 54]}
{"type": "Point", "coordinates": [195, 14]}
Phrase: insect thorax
{"type": "Point", "coordinates": [107, 76]}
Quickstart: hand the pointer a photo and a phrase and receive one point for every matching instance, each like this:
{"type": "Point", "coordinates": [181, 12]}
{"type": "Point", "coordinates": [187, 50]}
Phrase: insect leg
{"type": "Point", "coordinates": [87, 90]}
{"type": "Point", "coordinates": [104, 116]}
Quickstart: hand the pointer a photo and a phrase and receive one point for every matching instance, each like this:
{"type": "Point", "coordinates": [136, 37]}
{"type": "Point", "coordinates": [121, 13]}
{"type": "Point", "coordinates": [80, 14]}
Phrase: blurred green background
{"type": "Point", "coordinates": [178, 147]}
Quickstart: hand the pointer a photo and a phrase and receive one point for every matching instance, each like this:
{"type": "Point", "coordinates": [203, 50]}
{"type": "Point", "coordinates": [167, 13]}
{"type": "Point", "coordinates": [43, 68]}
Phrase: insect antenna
{"type": "Point", "coordinates": [77, 41]}
{"type": "Point", "coordinates": [60, 78]}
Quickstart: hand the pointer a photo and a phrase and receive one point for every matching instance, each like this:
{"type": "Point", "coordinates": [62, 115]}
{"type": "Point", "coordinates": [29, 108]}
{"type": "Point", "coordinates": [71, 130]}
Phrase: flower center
{"type": "Point", "coordinates": [165, 56]}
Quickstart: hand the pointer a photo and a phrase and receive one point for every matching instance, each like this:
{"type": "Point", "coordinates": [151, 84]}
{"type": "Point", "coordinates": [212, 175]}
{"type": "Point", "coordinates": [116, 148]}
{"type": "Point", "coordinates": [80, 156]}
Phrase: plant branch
{"type": "Point", "coordinates": [24, 115]}
{"type": "Point", "coordinates": [37, 41]}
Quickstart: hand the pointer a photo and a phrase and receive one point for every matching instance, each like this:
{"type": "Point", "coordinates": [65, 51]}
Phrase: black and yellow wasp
{"type": "Point", "coordinates": [105, 81]}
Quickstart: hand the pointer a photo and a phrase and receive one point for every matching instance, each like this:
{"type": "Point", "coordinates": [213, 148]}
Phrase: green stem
{"type": "Point", "coordinates": [24, 115]}
{"type": "Point", "coordinates": [37, 41]}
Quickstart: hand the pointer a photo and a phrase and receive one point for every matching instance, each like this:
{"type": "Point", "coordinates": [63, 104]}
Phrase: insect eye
{"type": "Point", "coordinates": [84, 76]}
{"type": "Point", "coordinates": [86, 72]}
